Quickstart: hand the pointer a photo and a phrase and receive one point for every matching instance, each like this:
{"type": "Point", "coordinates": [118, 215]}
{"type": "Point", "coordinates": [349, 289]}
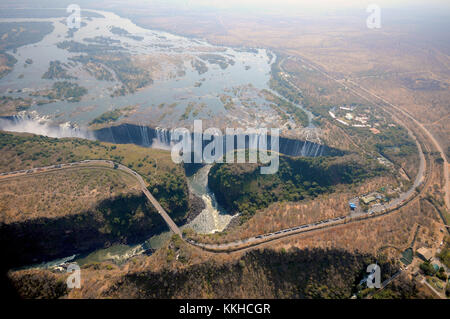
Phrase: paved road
{"type": "Point", "coordinates": [110, 164]}
{"type": "Point", "coordinates": [264, 238]}
{"type": "Point", "coordinates": [240, 244]}
{"type": "Point", "coordinates": [237, 245]}
{"type": "Point", "coordinates": [392, 206]}
{"type": "Point", "coordinates": [403, 112]}
{"type": "Point", "coordinates": [430, 136]}
{"type": "Point", "coordinates": [153, 200]}
{"type": "Point", "coordinates": [425, 282]}
{"type": "Point", "coordinates": [257, 240]}
{"type": "Point", "coordinates": [384, 284]}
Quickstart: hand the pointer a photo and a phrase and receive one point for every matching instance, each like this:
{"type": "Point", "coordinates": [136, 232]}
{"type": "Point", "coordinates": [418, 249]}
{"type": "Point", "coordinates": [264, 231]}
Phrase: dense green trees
{"type": "Point", "coordinates": [121, 219]}
{"type": "Point", "coordinates": [65, 90]}
{"type": "Point", "coordinates": [427, 268]}
{"type": "Point", "coordinates": [168, 183]}
{"type": "Point", "coordinates": [395, 141]}
{"type": "Point", "coordinates": [241, 187]}
{"type": "Point", "coordinates": [107, 117]}
{"type": "Point", "coordinates": [172, 193]}
{"type": "Point", "coordinates": [278, 84]}
{"type": "Point", "coordinates": [128, 218]}
{"type": "Point", "coordinates": [444, 255]}
{"type": "Point", "coordinates": [39, 285]}
{"type": "Point", "coordinates": [57, 70]}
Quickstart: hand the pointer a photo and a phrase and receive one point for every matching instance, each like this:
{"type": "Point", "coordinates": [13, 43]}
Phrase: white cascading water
{"type": "Point", "coordinates": [310, 149]}
{"type": "Point", "coordinates": [145, 136]}
{"type": "Point", "coordinates": [41, 125]}
{"type": "Point", "coordinates": [253, 141]}
{"type": "Point", "coordinates": [162, 139]}
{"type": "Point", "coordinates": [211, 219]}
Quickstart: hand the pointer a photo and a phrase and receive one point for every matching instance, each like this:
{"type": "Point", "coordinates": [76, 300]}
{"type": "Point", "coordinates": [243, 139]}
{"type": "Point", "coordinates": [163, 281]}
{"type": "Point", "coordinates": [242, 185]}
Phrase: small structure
{"type": "Point", "coordinates": [368, 199]}
{"type": "Point", "coordinates": [352, 206]}
{"type": "Point", "coordinates": [424, 253]}
{"type": "Point", "coordinates": [375, 131]}
{"type": "Point", "coordinates": [362, 119]}
{"type": "Point", "coordinates": [342, 122]}
{"type": "Point", "coordinates": [349, 116]}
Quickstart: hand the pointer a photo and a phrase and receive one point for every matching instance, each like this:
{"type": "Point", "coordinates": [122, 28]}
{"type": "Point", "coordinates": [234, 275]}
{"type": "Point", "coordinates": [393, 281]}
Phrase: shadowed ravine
{"type": "Point", "coordinates": [159, 137]}
{"type": "Point", "coordinates": [148, 136]}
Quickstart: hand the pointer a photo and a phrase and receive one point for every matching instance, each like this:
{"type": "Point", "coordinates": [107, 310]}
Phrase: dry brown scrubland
{"type": "Point", "coordinates": [400, 61]}
{"type": "Point", "coordinates": [394, 230]}
{"type": "Point", "coordinates": [386, 235]}
{"type": "Point", "coordinates": [430, 106]}
{"type": "Point", "coordinates": [334, 136]}
{"type": "Point", "coordinates": [283, 215]}
{"type": "Point", "coordinates": [61, 193]}
{"type": "Point", "coordinates": [376, 236]}
{"type": "Point", "coordinates": [384, 62]}
{"type": "Point", "coordinates": [97, 279]}
{"type": "Point", "coordinates": [323, 92]}
{"type": "Point", "coordinates": [373, 235]}
{"type": "Point", "coordinates": [318, 89]}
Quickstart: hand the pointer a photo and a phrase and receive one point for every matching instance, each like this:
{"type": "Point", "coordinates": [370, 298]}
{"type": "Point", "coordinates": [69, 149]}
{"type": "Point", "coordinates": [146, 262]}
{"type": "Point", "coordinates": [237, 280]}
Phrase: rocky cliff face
{"type": "Point", "coordinates": [126, 219]}
{"type": "Point", "coordinates": [310, 273]}
{"type": "Point", "coordinates": [241, 187]}
{"type": "Point", "coordinates": [151, 137]}
{"type": "Point", "coordinates": [147, 136]}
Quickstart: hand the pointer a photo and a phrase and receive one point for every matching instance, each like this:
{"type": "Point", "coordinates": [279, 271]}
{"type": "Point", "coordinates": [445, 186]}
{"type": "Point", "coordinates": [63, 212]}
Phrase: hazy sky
{"type": "Point", "coordinates": [304, 4]}
{"type": "Point", "coordinates": [271, 6]}
{"type": "Point", "coordinates": [429, 10]}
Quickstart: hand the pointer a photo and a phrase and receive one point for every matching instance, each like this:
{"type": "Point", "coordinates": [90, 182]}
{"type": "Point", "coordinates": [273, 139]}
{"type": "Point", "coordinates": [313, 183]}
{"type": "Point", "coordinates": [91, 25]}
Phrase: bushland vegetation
{"type": "Point", "coordinates": [241, 187]}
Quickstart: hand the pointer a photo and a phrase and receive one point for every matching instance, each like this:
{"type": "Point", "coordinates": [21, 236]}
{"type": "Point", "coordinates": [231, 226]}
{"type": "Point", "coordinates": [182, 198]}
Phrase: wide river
{"type": "Point", "coordinates": [212, 219]}
{"type": "Point", "coordinates": [169, 60]}
{"type": "Point", "coordinates": [175, 82]}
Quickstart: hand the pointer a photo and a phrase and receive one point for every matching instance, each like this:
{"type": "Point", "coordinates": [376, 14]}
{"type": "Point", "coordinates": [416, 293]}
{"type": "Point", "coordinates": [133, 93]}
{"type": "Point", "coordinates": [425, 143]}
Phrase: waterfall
{"type": "Point", "coordinates": [296, 148]}
{"type": "Point", "coordinates": [305, 148]}
{"type": "Point", "coordinates": [162, 138]}
{"type": "Point", "coordinates": [41, 125]}
{"type": "Point", "coordinates": [145, 136]}
{"type": "Point", "coordinates": [253, 140]}
{"type": "Point", "coordinates": [303, 151]}
{"type": "Point", "coordinates": [112, 135]}
{"type": "Point", "coordinates": [213, 218]}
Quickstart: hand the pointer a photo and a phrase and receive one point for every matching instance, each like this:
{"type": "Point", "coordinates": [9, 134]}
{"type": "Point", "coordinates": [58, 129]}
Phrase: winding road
{"type": "Point", "coordinates": [263, 239]}
{"type": "Point", "coordinates": [239, 245]}
{"type": "Point", "coordinates": [110, 164]}
{"type": "Point", "coordinates": [401, 111]}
